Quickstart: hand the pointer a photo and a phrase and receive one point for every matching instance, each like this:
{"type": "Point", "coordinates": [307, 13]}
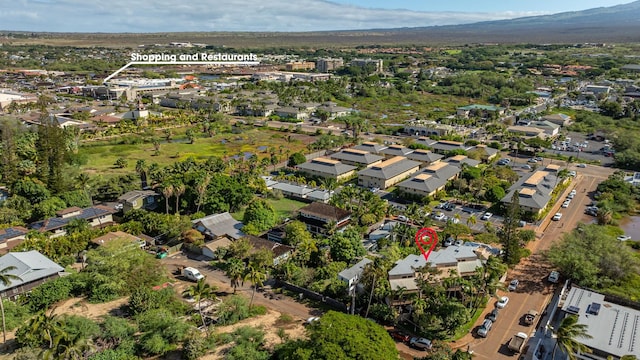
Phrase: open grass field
{"type": "Point", "coordinates": [284, 208]}
{"type": "Point", "coordinates": [101, 156]}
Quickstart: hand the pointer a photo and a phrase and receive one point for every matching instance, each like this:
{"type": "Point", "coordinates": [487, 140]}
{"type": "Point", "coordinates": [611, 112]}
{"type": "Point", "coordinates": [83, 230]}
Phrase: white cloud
{"type": "Point", "coordinates": [222, 15]}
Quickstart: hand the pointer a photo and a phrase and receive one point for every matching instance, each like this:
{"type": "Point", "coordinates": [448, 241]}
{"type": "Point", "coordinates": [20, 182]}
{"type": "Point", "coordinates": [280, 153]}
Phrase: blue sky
{"type": "Point", "coordinates": [261, 15]}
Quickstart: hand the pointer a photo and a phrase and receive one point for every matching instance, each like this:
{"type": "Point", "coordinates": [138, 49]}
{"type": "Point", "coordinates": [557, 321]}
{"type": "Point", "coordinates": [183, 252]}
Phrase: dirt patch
{"type": "Point", "coordinates": [269, 323]}
{"type": "Point", "coordinates": [80, 307]}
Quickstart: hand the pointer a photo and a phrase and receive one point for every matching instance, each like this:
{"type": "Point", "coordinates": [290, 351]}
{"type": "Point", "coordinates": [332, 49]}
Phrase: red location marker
{"type": "Point", "coordinates": [426, 239]}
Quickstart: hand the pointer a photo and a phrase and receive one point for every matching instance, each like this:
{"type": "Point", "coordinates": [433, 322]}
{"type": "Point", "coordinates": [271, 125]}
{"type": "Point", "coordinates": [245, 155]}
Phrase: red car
{"type": "Point", "coordinates": [399, 336]}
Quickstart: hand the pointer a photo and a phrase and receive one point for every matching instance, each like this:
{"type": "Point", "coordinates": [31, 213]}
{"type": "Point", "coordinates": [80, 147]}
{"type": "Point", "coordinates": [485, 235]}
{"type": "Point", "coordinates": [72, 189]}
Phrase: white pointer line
{"type": "Point", "coordinates": [180, 63]}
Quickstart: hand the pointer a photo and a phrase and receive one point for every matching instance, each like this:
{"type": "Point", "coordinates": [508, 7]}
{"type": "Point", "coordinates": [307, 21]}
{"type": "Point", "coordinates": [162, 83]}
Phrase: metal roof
{"type": "Point", "coordinates": [220, 225]}
{"type": "Point", "coordinates": [30, 266]}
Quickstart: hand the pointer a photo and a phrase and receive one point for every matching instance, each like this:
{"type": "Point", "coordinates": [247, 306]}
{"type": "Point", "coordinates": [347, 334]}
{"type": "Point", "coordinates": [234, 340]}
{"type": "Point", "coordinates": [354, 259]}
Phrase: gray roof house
{"type": "Point", "coordinates": [534, 191]}
{"type": "Point", "coordinates": [613, 328]}
{"type": "Point", "coordinates": [460, 160]}
{"type": "Point", "coordinates": [293, 191]}
{"type": "Point", "coordinates": [443, 146]}
{"type": "Point", "coordinates": [387, 173]}
{"type": "Point", "coordinates": [327, 168]}
{"type": "Point", "coordinates": [396, 150]}
{"type": "Point", "coordinates": [352, 275]}
{"type": "Point", "coordinates": [371, 147]}
{"type": "Point", "coordinates": [218, 225]}
{"type": "Point", "coordinates": [430, 180]}
{"type": "Point", "coordinates": [357, 157]}
{"type": "Point", "coordinates": [31, 267]}
{"type": "Point", "coordinates": [424, 156]}
{"type": "Point", "coordinates": [462, 259]}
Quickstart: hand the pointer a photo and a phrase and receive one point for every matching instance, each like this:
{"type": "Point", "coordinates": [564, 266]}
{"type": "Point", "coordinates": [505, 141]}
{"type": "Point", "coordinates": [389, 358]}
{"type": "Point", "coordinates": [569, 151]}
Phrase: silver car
{"type": "Point", "coordinates": [484, 329]}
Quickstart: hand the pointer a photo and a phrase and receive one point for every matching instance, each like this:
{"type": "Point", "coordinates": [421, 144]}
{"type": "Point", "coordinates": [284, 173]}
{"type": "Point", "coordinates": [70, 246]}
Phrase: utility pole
{"type": "Point", "coordinates": [373, 286]}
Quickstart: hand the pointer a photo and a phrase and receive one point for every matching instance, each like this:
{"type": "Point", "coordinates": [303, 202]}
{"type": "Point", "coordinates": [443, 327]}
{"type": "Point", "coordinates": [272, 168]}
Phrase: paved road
{"type": "Point", "coordinates": [534, 292]}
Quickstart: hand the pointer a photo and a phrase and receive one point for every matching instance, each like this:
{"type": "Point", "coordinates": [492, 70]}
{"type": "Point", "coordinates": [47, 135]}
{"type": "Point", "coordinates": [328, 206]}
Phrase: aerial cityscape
{"type": "Point", "coordinates": [320, 180]}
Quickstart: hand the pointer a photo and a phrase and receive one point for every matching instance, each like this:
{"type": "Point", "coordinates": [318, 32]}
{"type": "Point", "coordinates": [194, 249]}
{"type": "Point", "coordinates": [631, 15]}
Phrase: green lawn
{"type": "Point", "coordinates": [101, 156]}
{"type": "Point", "coordinates": [284, 208]}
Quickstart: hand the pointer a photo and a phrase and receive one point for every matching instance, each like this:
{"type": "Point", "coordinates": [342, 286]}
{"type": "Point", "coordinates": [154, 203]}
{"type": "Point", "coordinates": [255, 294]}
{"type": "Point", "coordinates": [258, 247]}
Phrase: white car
{"type": "Point", "coordinates": [439, 216]}
{"type": "Point", "coordinates": [513, 285]}
{"type": "Point", "coordinates": [486, 216]}
{"type": "Point", "coordinates": [554, 277]}
{"type": "Point", "coordinates": [402, 218]}
{"type": "Point", "coordinates": [566, 203]}
{"type": "Point", "coordinates": [573, 192]}
{"type": "Point", "coordinates": [502, 302]}
{"type": "Point", "coordinates": [572, 173]}
{"type": "Point", "coordinates": [581, 165]}
{"type": "Point", "coordinates": [623, 238]}
{"type": "Point", "coordinates": [556, 217]}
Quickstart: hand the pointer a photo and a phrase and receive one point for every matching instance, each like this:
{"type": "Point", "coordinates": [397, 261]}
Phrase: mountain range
{"type": "Point", "coordinates": [615, 24]}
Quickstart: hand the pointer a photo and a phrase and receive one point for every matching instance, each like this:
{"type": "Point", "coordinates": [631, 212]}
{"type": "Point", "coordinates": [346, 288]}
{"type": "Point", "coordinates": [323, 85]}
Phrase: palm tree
{"type": "Point", "coordinates": [142, 169]}
{"type": "Point", "coordinates": [566, 337]}
{"type": "Point", "coordinates": [178, 190]}
{"type": "Point", "coordinates": [472, 220]}
{"type": "Point", "coordinates": [235, 271]}
{"type": "Point", "coordinates": [46, 326]}
{"type": "Point", "coordinates": [6, 279]}
{"type": "Point", "coordinates": [605, 215]}
{"type": "Point", "coordinates": [200, 291]}
{"type": "Point", "coordinates": [69, 347]}
{"type": "Point", "coordinates": [201, 189]}
{"type": "Point", "coordinates": [256, 277]}
{"type": "Point", "coordinates": [167, 192]}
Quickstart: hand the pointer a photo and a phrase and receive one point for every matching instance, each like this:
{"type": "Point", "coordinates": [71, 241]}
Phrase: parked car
{"type": "Point", "coordinates": [483, 331]}
{"type": "Point", "coordinates": [566, 203]}
{"type": "Point", "coordinates": [454, 220]}
{"type": "Point", "coordinates": [449, 241]}
{"type": "Point", "coordinates": [530, 317]}
{"type": "Point", "coordinates": [623, 238]}
{"type": "Point", "coordinates": [311, 320]}
{"type": "Point", "coordinates": [573, 192]}
{"type": "Point", "coordinates": [439, 216]}
{"type": "Point", "coordinates": [486, 216]}
{"type": "Point", "coordinates": [526, 167]}
{"type": "Point", "coordinates": [459, 243]}
{"type": "Point", "coordinates": [402, 218]}
{"type": "Point", "coordinates": [554, 277]}
{"type": "Point", "coordinates": [573, 173]}
{"type": "Point", "coordinates": [420, 343]}
{"type": "Point", "coordinates": [513, 285]}
{"type": "Point", "coordinates": [399, 336]}
{"type": "Point", "coordinates": [502, 302]}
{"type": "Point", "coordinates": [493, 315]}
{"type": "Point", "coordinates": [533, 161]}
{"type": "Point", "coordinates": [556, 217]}
{"type": "Point", "coordinates": [581, 165]}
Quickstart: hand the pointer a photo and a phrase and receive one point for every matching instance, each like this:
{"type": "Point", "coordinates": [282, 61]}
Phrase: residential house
{"type": "Point", "coordinates": [395, 150]}
{"type": "Point", "coordinates": [463, 260]}
{"type": "Point", "coordinates": [460, 160]}
{"type": "Point", "coordinates": [106, 120]}
{"type": "Point", "coordinates": [210, 248]}
{"type": "Point", "coordinates": [10, 237]}
{"type": "Point", "coordinates": [612, 328]}
{"type": "Point", "coordinates": [597, 89]}
{"type": "Point", "coordinates": [359, 158]}
{"type": "Point", "coordinates": [218, 225]}
{"type": "Point", "coordinates": [351, 275]}
{"type": "Point", "coordinates": [534, 191]}
{"type": "Point", "coordinates": [483, 111]}
{"type": "Point", "coordinates": [558, 119]}
{"type": "Point", "coordinates": [31, 267]}
{"type": "Point", "coordinates": [139, 199]}
{"type": "Point", "coordinates": [371, 147]}
{"type": "Point", "coordinates": [293, 191]}
{"type": "Point", "coordinates": [425, 157]}
{"type": "Point", "coordinates": [327, 168]}
{"type": "Point", "coordinates": [430, 180]}
{"type": "Point", "coordinates": [97, 216]}
{"type": "Point", "coordinates": [279, 251]}
{"type": "Point", "coordinates": [486, 153]}
{"type": "Point", "coordinates": [319, 195]}
{"type": "Point", "coordinates": [387, 173]}
{"type": "Point", "coordinates": [318, 217]}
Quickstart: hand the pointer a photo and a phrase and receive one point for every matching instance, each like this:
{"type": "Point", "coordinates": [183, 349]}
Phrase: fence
{"type": "Point", "coordinates": [314, 295]}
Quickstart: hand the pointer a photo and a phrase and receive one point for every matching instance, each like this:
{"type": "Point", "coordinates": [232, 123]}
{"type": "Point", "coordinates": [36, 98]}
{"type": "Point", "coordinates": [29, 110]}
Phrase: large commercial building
{"type": "Point", "coordinates": [534, 191]}
{"type": "Point", "coordinates": [329, 64]}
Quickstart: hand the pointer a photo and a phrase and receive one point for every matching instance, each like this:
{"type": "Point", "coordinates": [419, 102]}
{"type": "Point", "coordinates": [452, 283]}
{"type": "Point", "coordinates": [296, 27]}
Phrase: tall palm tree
{"type": "Point", "coordinates": [235, 271]}
{"type": "Point", "coordinates": [566, 337]}
{"type": "Point", "coordinates": [257, 278]}
{"type": "Point", "coordinates": [472, 220]}
{"type": "Point", "coordinates": [178, 190]}
{"type": "Point", "coordinates": [201, 189]}
{"type": "Point", "coordinates": [69, 347]}
{"type": "Point", "coordinates": [201, 291]}
{"type": "Point", "coordinates": [167, 192]}
{"type": "Point", "coordinates": [48, 327]}
{"type": "Point", "coordinates": [142, 169]}
{"type": "Point", "coordinates": [6, 279]}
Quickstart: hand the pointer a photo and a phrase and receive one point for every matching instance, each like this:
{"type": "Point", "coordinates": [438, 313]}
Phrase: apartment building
{"type": "Point", "coordinates": [387, 173]}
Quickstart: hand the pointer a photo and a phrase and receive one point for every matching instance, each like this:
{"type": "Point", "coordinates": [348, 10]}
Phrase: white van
{"type": "Point", "coordinates": [192, 274]}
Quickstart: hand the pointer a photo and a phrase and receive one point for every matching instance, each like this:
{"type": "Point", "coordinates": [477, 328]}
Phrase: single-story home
{"type": "Point", "coordinates": [31, 267]}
